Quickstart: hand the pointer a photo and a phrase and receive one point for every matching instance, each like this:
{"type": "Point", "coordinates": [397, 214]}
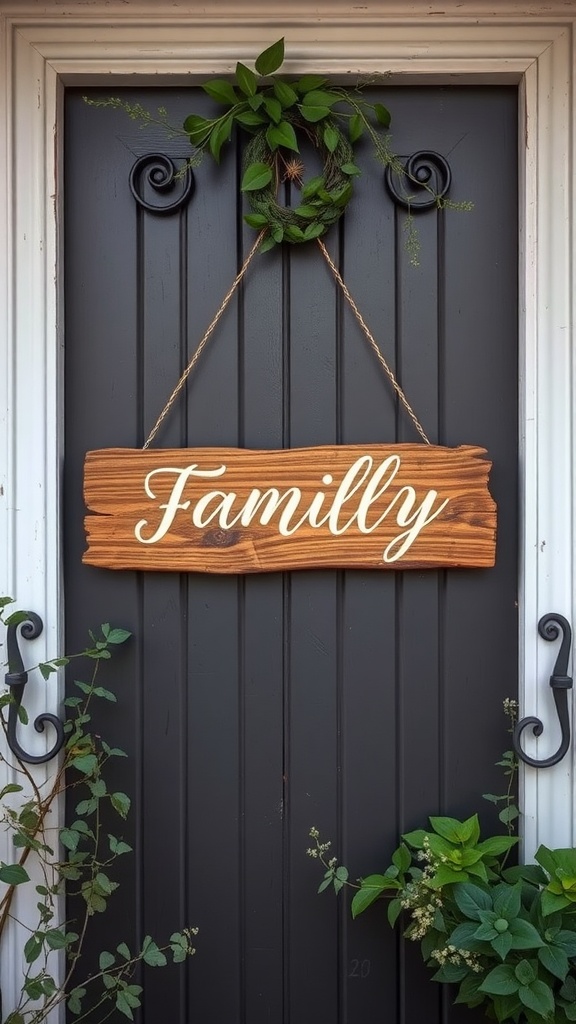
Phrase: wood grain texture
{"type": "Point", "coordinates": [352, 506]}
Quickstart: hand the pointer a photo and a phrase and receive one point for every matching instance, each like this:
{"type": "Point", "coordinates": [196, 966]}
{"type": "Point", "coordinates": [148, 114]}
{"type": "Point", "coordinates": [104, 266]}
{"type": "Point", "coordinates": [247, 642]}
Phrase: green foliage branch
{"type": "Point", "coordinates": [280, 114]}
{"type": "Point", "coordinates": [76, 860]}
{"type": "Point", "coordinates": [504, 935]}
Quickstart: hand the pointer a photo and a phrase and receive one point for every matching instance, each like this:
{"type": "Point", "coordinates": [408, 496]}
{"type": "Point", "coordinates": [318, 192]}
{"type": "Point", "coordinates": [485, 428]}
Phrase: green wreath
{"type": "Point", "coordinates": [323, 198]}
{"type": "Point", "coordinates": [279, 114]}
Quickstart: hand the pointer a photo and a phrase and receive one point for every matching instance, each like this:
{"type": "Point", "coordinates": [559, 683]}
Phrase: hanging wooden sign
{"type": "Point", "coordinates": [230, 510]}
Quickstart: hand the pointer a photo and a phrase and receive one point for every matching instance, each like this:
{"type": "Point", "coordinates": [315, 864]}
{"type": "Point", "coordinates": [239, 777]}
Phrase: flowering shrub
{"type": "Point", "coordinates": [506, 936]}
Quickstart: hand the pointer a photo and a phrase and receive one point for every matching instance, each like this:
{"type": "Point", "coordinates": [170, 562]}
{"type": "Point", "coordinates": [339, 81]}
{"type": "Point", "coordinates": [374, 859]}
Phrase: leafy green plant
{"type": "Point", "coordinates": [504, 935]}
{"type": "Point", "coordinates": [281, 115]}
{"type": "Point", "coordinates": [76, 860]}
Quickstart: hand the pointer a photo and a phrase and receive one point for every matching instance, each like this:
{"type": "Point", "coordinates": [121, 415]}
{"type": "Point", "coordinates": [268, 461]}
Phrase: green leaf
{"type": "Point", "coordinates": [118, 636]}
{"type": "Point", "coordinates": [524, 935]}
{"type": "Point", "coordinates": [468, 992]}
{"type": "Point", "coordinates": [506, 900]}
{"type": "Point", "coordinates": [416, 838]}
{"type": "Point", "coordinates": [555, 961]}
{"type": "Point", "coordinates": [100, 691]}
{"type": "Point", "coordinates": [282, 134]}
{"type": "Point", "coordinates": [13, 874]}
{"type": "Point", "coordinates": [86, 807]}
{"type": "Point", "coordinates": [566, 940]}
{"type": "Point", "coordinates": [270, 59]}
{"type": "Point", "coordinates": [320, 98]}
{"type": "Point", "coordinates": [453, 830]}
{"type": "Point", "coordinates": [250, 119]}
{"type": "Point", "coordinates": [256, 220]}
{"type": "Point", "coordinates": [506, 1007]}
{"type": "Point", "coordinates": [551, 903]}
{"type": "Point", "coordinates": [295, 233]}
{"type": "Point", "coordinates": [98, 788]}
{"type": "Point", "coordinates": [56, 939]}
{"type": "Point", "coordinates": [312, 187]}
{"type": "Point", "coordinates": [247, 81]}
{"type": "Point", "coordinates": [370, 889]}
{"type": "Point", "coordinates": [526, 972]}
{"type": "Point", "coordinates": [546, 859]}
{"type": "Point", "coordinates": [32, 949]}
{"type": "Point", "coordinates": [267, 244]}
{"type": "Point", "coordinates": [85, 763]}
{"type": "Point", "coordinates": [284, 93]}
{"type": "Point", "coordinates": [538, 997]}
{"type": "Point", "coordinates": [314, 231]}
{"type": "Point", "coordinates": [124, 951]}
{"type": "Point", "coordinates": [117, 846]}
{"type": "Point", "coordinates": [394, 911]}
{"type": "Point", "coordinates": [382, 115]}
{"type": "Point", "coordinates": [500, 981]}
{"type": "Point", "coordinates": [552, 860]}
{"type": "Point", "coordinates": [72, 702]}
{"type": "Point", "coordinates": [309, 82]}
{"type": "Point", "coordinates": [151, 955]}
{"type": "Point", "coordinates": [451, 973]}
{"type": "Point", "coordinates": [446, 875]}
{"type": "Point", "coordinates": [220, 135]}
{"type": "Point", "coordinates": [273, 109]}
{"type": "Point", "coordinates": [313, 114]}
{"type": "Point", "coordinates": [307, 212]}
{"type": "Point", "coordinates": [278, 232]}
{"type": "Point", "coordinates": [502, 944]}
{"type": "Point", "coordinates": [508, 814]}
{"type": "Point", "coordinates": [113, 751]}
{"type": "Point", "coordinates": [123, 1005]}
{"type": "Point", "coordinates": [221, 91]}
{"type": "Point", "coordinates": [22, 714]}
{"type": "Point", "coordinates": [256, 176]}
{"type": "Point", "coordinates": [33, 988]}
{"type": "Point", "coordinates": [121, 803]}
{"type": "Point", "coordinates": [256, 101]}
{"type": "Point", "coordinates": [402, 858]}
{"type": "Point", "coordinates": [331, 138]}
{"type": "Point", "coordinates": [355, 128]}
{"type": "Point", "coordinates": [106, 960]}
{"type": "Point", "coordinates": [470, 899]}
{"type": "Point", "coordinates": [198, 128]}
{"type": "Point", "coordinates": [350, 169]}
{"type": "Point", "coordinates": [496, 845]}
{"type": "Point", "coordinates": [568, 990]}
{"type": "Point", "coordinates": [326, 883]}
{"type": "Point", "coordinates": [465, 936]}
{"type": "Point", "coordinates": [46, 669]}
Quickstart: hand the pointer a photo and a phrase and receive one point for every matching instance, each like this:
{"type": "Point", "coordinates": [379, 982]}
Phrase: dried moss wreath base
{"type": "Point", "coordinates": [281, 115]}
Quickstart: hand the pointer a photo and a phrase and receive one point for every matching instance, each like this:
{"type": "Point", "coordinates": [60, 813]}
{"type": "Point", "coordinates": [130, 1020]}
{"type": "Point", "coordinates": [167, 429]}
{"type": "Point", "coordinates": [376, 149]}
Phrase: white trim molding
{"type": "Point", "coordinates": [47, 44]}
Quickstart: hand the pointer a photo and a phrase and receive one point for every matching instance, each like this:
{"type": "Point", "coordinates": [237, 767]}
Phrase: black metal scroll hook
{"type": "Point", "coordinates": [16, 679]}
{"type": "Point", "coordinates": [549, 628]}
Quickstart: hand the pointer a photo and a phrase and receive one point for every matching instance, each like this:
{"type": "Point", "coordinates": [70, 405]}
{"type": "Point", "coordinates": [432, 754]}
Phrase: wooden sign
{"type": "Point", "coordinates": [229, 510]}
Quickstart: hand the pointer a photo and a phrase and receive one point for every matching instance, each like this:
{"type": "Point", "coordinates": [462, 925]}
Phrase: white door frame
{"type": "Point", "coordinates": [47, 45]}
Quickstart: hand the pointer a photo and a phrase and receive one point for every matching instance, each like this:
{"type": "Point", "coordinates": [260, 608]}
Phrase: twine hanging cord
{"type": "Point", "coordinates": [210, 330]}
{"type": "Point", "coordinates": [207, 335]}
{"type": "Point", "coordinates": [373, 344]}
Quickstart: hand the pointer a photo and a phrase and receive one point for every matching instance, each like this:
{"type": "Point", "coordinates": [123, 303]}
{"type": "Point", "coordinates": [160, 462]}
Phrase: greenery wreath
{"type": "Point", "coordinates": [324, 197]}
{"type": "Point", "coordinates": [281, 114]}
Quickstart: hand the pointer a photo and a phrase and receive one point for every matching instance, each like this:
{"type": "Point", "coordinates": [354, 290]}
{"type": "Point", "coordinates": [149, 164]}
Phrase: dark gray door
{"type": "Point", "coordinates": [255, 707]}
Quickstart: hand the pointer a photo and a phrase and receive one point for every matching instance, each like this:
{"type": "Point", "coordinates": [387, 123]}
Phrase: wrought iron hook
{"type": "Point", "coordinates": [549, 628]}
{"type": "Point", "coordinates": [16, 679]}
